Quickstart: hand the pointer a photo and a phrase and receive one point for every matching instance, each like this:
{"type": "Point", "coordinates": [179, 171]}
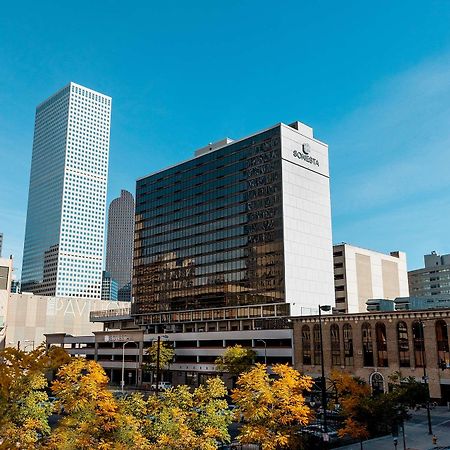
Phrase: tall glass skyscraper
{"type": "Point", "coordinates": [243, 223]}
{"type": "Point", "coordinates": [64, 236]}
{"type": "Point", "coordinates": [119, 248]}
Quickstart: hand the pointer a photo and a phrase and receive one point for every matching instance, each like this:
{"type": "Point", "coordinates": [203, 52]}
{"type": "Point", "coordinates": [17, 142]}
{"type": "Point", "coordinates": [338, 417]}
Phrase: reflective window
{"type": "Point", "coordinates": [348, 344]}
{"type": "Point", "coordinates": [442, 342]}
{"type": "Point", "coordinates": [367, 345]}
{"type": "Point", "coordinates": [335, 345]}
{"type": "Point", "coordinates": [382, 356]}
{"type": "Point", "coordinates": [418, 340]}
{"type": "Point", "coordinates": [306, 344]}
{"type": "Point", "coordinates": [209, 231]}
{"type": "Point", "coordinates": [403, 344]}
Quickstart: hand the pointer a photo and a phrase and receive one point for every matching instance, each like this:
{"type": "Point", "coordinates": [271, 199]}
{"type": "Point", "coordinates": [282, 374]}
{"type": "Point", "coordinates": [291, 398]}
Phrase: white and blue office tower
{"type": "Point", "coordinates": [64, 236]}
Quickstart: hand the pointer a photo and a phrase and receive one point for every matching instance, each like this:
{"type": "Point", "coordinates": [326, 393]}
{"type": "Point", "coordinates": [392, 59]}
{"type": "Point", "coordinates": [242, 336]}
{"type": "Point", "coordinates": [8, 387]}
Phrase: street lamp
{"type": "Point", "coordinates": [425, 377]}
{"type": "Point", "coordinates": [325, 308]}
{"type": "Point", "coordinates": [122, 382]}
{"type": "Point", "coordinates": [265, 349]}
{"type": "Point", "coordinates": [158, 349]}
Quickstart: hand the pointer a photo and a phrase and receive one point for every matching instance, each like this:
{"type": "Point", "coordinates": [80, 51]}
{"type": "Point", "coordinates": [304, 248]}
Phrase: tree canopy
{"type": "Point", "coordinates": [272, 407]}
{"type": "Point", "coordinates": [236, 360]}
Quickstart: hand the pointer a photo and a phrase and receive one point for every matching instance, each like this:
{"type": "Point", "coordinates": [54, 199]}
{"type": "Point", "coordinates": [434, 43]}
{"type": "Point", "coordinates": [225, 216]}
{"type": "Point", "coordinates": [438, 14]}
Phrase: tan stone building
{"type": "Point", "coordinates": [361, 274]}
{"type": "Point", "coordinates": [374, 345]}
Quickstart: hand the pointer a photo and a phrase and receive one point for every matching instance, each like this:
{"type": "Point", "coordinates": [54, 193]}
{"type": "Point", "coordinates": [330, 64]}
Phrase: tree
{"type": "Point", "coordinates": [236, 360]}
{"type": "Point", "coordinates": [180, 419]}
{"type": "Point", "coordinates": [93, 418]}
{"type": "Point", "coordinates": [24, 405]}
{"type": "Point", "coordinates": [352, 394]}
{"type": "Point", "coordinates": [273, 408]}
{"type": "Point", "coordinates": [166, 355]}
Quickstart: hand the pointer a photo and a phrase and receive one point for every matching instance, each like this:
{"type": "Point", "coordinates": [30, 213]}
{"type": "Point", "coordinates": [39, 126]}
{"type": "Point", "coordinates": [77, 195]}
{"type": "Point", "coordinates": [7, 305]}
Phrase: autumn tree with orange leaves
{"type": "Point", "coordinates": [272, 407]}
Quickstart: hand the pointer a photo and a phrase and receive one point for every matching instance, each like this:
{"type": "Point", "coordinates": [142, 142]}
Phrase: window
{"type": "Point", "coordinates": [348, 344]}
{"type": "Point", "coordinates": [418, 339]}
{"type": "Point", "coordinates": [335, 345]}
{"type": "Point", "coordinates": [306, 344]}
{"type": "Point", "coordinates": [382, 356]}
{"type": "Point", "coordinates": [367, 345]}
{"type": "Point", "coordinates": [403, 344]}
{"type": "Point", "coordinates": [317, 346]}
{"type": "Point", "coordinates": [442, 342]}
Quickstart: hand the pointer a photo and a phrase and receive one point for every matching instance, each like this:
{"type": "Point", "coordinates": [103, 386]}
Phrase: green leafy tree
{"type": "Point", "coordinates": [273, 408]}
{"type": "Point", "coordinates": [166, 355]}
{"type": "Point", "coordinates": [24, 405]}
{"type": "Point", "coordinates": [236, 360]}
{"type": "Point", "coordinates": [180, 419]}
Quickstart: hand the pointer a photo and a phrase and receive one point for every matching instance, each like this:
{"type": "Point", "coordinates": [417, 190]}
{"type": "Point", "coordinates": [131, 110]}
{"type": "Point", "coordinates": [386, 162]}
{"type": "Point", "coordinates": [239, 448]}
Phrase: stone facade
{"type": "Point", "coordinates": [384, 341]}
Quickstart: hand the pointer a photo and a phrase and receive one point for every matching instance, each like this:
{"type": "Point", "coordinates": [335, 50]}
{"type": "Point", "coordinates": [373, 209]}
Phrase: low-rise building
{"type": "Point", "coordinates": [370, 345]}
{"type": "Point", "coordinates": [374, 345]}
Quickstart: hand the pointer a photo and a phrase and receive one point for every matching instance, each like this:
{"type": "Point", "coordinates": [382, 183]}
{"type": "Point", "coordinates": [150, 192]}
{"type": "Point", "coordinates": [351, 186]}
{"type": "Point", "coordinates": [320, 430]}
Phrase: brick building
{"type": "Point", "coordinates": [374, 345]}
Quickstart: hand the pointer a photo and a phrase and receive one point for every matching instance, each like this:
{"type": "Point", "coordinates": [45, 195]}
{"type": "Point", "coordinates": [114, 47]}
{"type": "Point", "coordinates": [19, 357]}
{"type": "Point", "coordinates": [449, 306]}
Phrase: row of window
{"type": "Point", "coordinates": [311, 344]}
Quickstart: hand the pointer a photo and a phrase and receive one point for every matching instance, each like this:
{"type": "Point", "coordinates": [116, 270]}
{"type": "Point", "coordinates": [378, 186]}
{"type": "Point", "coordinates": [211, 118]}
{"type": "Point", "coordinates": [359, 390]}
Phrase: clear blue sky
{"type": "Point", "coordinates": [371, 78]}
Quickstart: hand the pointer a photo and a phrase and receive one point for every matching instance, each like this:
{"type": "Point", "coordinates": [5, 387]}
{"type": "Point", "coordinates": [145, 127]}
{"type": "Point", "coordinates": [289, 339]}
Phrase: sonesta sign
{"type": "Point", "coordinates": [304, 154]}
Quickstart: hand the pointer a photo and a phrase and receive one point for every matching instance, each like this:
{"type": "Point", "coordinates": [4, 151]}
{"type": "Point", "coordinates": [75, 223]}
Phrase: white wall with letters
{"type": "Point", "coordinates": [309, 279]}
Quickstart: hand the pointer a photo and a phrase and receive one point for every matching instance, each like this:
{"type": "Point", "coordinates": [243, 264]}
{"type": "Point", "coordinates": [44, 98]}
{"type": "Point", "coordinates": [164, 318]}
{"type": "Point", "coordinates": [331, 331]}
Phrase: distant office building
{"type": "Point", "coordinates": [110, 288]}
{"type": "Point", "coordinates": [361, 274]}
{"type": "Point", "coordinates": [433, 279]}
{"type": "Point", "coordinates": [15, 287]}
{"type": "Point", "coordinates": [119, 250]}
{"type": "Point", "coordinates": [1, 244]}
{"type": "Point", "coordinates": [245, 222]}
{"type": "Point", "coordinates": [407, 304]}
{"type": "Point", "coordinates": [63, 251]}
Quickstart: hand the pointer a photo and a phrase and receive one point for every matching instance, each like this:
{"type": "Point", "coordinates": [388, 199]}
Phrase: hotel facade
{"type": "Point", "coordinates": [244, 223]}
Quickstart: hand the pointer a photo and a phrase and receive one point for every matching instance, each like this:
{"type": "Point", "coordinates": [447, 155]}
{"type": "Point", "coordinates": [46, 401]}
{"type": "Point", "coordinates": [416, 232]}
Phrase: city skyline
{"type": "Point", "coordinates": [377, 102]}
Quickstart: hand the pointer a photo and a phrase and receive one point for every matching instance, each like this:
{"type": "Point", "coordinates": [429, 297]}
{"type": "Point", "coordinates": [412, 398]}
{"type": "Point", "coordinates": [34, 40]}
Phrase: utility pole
{"type": "Point", "coordinates": [425, 377]}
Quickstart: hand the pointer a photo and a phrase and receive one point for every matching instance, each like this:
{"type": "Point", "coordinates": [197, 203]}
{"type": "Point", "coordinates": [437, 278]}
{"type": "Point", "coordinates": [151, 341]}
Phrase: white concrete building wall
{"type": "Point", "coordinates": [307, 221]}
{"type": "Point", "coordinates": [376, 284]}
{"type": "Point", "coordinates": [28, 317]}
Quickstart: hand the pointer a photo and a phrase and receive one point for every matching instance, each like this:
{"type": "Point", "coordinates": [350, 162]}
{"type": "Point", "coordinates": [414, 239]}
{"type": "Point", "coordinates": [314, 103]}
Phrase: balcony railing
{"type": "Point", "coordinates": [117, 313]}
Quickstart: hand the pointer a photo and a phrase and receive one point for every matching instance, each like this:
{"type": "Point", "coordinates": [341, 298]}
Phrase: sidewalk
{"type": "Point", "coordinates": [416, 433]}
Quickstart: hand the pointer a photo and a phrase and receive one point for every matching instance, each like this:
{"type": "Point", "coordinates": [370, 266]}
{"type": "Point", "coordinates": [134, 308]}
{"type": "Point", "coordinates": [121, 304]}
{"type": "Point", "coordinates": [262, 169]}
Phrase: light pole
{"type": "Point", "coordinates": [265, 349]}
{"type": "Point", "coordinates": [425, 377]}
{"type": "Point", "coordinates": [158, 350]}
{"type": "Point", "coordinates": [325, 308]}
{"type": "Point", "coordinates": [122, 382]}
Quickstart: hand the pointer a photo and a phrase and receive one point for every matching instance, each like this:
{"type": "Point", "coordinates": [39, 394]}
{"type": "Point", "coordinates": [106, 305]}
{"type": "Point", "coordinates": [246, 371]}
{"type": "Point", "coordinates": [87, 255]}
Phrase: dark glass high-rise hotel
{"type": "Point", "coordinates": [243, 223]}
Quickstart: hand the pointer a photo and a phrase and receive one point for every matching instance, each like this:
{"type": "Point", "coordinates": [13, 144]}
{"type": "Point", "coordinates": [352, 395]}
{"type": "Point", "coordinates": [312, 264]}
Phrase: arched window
{"type": "Point", "coordinates": [306, 344]}
{"type": "Point", "coordinates": [442, 343]}
{"type": "Point", "coordinates": [335, 345]}
{"type": "Point", "coordinates": [348, 344]}
{"type": "Point", "coordinates": [382, 356]}
{"type": "Point", "coordinates": [419, 350]}
{"type": "Point", "coordinates": [377, 383]}
{"type": "Point", "coordinates": [316, 343]}
{"type": "Point", "coordinates": [403, 344]}
{"type": "Point", "coordinates": [367, 344]}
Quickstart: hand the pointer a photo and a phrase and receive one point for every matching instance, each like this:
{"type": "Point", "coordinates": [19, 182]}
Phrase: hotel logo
{"type": "Point", "coordinates": [304, 154]}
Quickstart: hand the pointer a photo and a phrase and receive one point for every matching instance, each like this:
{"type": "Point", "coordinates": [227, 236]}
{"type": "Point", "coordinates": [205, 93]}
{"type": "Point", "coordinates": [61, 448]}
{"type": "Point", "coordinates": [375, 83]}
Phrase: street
{"type": "Point", "coordinates": [416, 433]}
